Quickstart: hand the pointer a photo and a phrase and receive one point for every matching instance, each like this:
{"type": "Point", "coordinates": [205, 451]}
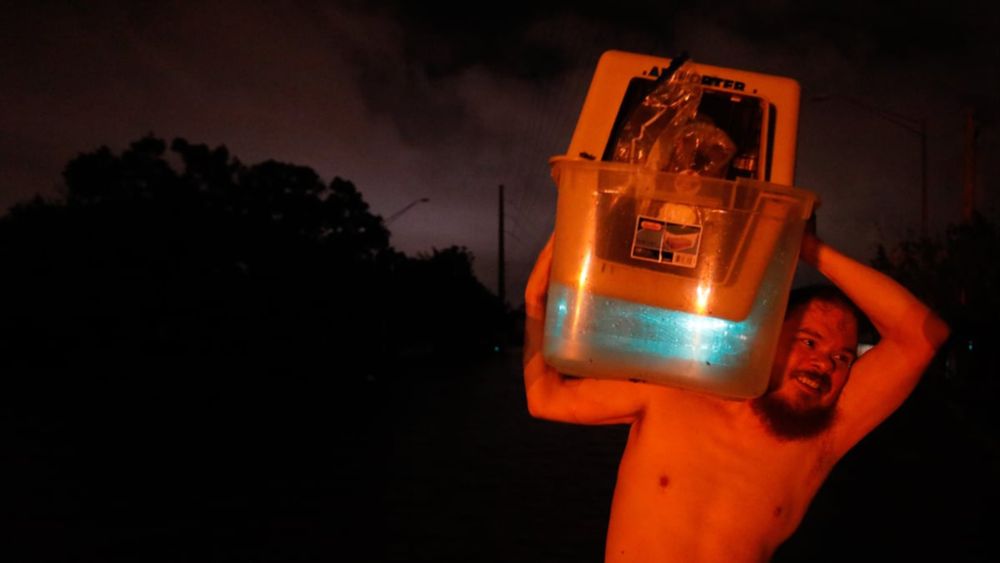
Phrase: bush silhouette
{"type": "Point", "coordinates": [263, 265]}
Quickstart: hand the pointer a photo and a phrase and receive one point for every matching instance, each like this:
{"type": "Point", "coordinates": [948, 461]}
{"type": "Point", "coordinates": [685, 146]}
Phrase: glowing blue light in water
{"type": "Point", "coordinates": [623, 329]}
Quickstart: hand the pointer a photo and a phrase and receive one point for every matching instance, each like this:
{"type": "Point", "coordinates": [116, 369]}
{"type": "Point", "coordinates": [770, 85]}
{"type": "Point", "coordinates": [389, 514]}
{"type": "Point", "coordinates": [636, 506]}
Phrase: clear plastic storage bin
{"type": "Point", "coordinates": [670, 278]}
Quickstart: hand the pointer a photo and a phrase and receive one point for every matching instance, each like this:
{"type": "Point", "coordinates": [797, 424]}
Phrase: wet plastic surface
{"type": "Point", "coordinates": [673, 279]}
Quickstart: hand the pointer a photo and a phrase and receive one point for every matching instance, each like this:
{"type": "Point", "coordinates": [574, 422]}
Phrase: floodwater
{"type": "Point", "coordinates": [418, 463]}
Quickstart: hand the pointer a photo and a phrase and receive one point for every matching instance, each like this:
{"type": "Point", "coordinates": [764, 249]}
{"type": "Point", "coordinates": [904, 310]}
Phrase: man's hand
{"type": "Point", "coordinates": [537, 290]}
{"type": "Point", "coordinates": [810, 242]}
{"type": "Point", "coordinates": [809, 249]}
{"type": "Point", "coordinates": [551, 395]}
{"type": "Point", "coordinates": [909, 336]}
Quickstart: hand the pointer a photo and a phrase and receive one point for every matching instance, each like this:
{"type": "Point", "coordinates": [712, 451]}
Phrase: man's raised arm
{"type": "Point", "coordinates": [910, 334]}
{"type": "Point", "coordinates": [554, 396]}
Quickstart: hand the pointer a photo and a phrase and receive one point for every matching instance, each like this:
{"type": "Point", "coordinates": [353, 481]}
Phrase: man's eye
{"type": "Point", "coordinates": [808, 342]}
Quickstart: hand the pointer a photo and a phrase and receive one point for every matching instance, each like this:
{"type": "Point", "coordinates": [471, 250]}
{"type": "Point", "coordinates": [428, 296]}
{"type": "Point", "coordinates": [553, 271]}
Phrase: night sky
{"type": "Point", "coordinates": [419, 100]}
{"type": "Point", "coordinates": [424, 100]}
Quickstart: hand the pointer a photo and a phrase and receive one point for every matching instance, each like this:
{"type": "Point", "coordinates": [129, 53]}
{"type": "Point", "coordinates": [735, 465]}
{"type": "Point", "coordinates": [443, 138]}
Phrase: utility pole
{"type": "Point", "coordinates": [923, 177]}
{"type": "Point", "coordinates": [408, 206]}
{"type": "Point", "coordinates": [969, 167]}
{"type": "Point", "coordinates": [501, 276]}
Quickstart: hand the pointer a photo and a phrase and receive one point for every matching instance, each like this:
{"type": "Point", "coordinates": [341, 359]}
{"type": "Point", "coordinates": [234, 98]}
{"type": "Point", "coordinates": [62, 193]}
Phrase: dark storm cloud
{"type": "Point", "coordinates": [921, 60]}
{"type": "Point", "coordinates": [412, 77]}
{"type": "Point", "coordinates": [862, 31]}
{"type": "Point", "coordinates": [412, 100]}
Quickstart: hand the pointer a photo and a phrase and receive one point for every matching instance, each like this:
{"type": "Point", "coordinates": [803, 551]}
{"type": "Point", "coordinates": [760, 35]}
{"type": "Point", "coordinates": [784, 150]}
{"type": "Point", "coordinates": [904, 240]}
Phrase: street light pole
{"type": "Point", "coordinates": [501, 259]}
{"type": "Point", "coordinates": [923, 177]}
{"type": "Point", "coordinates": [396, 215]}
{"type": "Point", "coordinates": [917, 126]}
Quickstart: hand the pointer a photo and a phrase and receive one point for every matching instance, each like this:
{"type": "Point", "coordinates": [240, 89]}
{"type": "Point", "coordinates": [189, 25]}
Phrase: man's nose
{"type": "Point", "coordinates": [822, 363]}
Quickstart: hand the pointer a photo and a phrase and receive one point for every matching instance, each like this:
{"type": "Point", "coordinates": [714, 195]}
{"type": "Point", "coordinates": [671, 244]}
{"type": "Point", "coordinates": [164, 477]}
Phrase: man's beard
{"type": "Point", "coordinates": [786, 422]}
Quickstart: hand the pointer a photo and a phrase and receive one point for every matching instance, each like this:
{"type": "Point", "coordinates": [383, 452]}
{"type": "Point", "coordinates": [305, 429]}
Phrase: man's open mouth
{"type": "Point", "coordinates": [813, 381]}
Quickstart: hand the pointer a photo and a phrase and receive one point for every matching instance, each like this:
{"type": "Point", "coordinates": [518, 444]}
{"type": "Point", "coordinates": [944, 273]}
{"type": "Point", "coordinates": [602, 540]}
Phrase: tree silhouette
{"type": "Point", "coordinates": [443, 307]}
{"type": "Point", "coordinates": [201, 353]}
{"type": "Point", "coordinates": [957, 275]}
{"type": "Point", "coordinates": [264, 265]}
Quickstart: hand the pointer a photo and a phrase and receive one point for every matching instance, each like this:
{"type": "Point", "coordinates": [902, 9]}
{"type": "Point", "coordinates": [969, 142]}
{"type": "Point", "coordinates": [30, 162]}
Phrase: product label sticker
{"type": "Point", "coordinates": [666, 242]}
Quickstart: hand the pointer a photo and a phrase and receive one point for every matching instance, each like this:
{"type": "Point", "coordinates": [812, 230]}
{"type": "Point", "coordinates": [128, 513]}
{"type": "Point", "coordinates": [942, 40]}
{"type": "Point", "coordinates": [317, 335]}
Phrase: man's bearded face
{"type": "Point", "coordinates": [816, 348]}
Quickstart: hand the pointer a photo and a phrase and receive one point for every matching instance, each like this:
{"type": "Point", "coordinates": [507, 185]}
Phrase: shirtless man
{"type": "Point", "coordinates": [708, 479]}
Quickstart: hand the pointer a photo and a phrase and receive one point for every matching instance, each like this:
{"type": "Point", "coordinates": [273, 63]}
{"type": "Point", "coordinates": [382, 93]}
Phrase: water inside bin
{"type": "Point", "coordinates": [687, 243]}
{"type": "Point", "coordinates": [621, 305]}
{"type": "Point", "coordinates": [591, 334]}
